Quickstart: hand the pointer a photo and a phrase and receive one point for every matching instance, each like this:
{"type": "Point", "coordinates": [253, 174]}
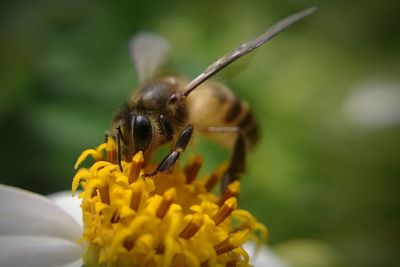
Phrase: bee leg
{"type": "Point", "coordinates": [166, 127]}
{"type": "Point", "coordinates": [173, 156]}
{"type": "Point", "coordinates": [118, 137]}
{"type": "Point", "coordinates": [106, 135]}
{"type": "Point", "coordinates": [238, 158]}
{"type": "Point", "coordinates": [236, 164]}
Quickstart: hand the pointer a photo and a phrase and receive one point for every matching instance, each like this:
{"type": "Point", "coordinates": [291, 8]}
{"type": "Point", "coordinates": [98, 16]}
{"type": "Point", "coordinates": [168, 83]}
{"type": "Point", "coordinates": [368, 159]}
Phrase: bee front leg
{"type": "Point", "coordinates": [118, 138]}
{"type": "Point", "coordinates": [238, 158]}
{"type": "Point", "coordinates": [173, 156]}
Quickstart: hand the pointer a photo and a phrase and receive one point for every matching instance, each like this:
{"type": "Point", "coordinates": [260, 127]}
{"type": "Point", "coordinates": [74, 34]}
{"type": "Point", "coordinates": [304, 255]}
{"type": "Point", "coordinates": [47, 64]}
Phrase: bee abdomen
{"type": "Point", "coordinates": [234, 111]}
{"type": "Point", "coordinates": [239, 114]}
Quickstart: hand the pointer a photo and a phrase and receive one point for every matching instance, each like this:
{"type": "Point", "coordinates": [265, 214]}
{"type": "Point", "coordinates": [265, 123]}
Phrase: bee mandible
{"type": "Point", "coordinates": [169, 109]}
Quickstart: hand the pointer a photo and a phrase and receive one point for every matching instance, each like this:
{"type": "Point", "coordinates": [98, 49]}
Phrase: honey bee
{"type": "Point", "coordinates": [169, 109]}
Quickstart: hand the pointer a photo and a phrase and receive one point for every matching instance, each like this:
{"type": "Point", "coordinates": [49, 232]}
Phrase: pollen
{"type": "Point", "coordinates": [170, 219]}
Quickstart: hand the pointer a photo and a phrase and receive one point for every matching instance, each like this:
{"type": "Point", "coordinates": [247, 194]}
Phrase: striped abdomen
{"type": "Point", "coordinates": [213, 104]}
{"type": "Point", "coordinates": [240, 115]}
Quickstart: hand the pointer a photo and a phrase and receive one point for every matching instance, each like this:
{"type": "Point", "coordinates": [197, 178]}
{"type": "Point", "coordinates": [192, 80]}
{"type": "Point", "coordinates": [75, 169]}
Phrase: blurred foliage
{"type": "Point", "coordinates": [316, 174]}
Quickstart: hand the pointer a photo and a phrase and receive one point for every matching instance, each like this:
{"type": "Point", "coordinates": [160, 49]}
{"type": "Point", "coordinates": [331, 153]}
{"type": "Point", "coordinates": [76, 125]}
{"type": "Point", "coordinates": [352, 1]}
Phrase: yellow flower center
{"type": "Point", "coordinates": [171, 219]}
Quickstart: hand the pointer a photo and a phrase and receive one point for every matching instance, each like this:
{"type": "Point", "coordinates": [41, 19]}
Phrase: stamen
{"type": "Point", "coordinates": [104, 195]}
{"type": "Point", "coordinates": [215, 177]}
{"type": "Point", "coordinates": [97, 155]}
{"type": "Point", "coordinates": [115, 217]}
{"type": "Point", "coordinates": [168, 198]}
{"type": "Point", "coordinates": [160, 249]}
{"type": "Point", "coordinates": [231, 242]}
{"type": "Point", "coordinates": [193, 226]}
{"type": "Point", "coordinates": [238, 238]}
{"type": "Point", "coordinates": [98, 166]}
{"type": "Point", "coordinates": [225, 210]}
{"type": "Point", "coordinates": [137, 163]}
{"type": "Point", "coordinates": [84, 155]}
{"type": "Point", "coordinates": [232, 263]}
{"type": "Point", "coordinates": [82, 174]}
{"type": "Point", "coordinates": [192, 168]}
{"type": "Point", "coordinates": [224, 246]}
{"type": "Point", "coordinates": [239, 250]}
{"type": "Point", "coordinates": [137, 189]}
{"type": "Point", "coordinates": [111, 151]}
{"type": "Point", "coordinates": [129, 242]}
{"type": "Point", "coordinates": [94, 192]}
{"type": "Point", "coordinates": [232, 191]}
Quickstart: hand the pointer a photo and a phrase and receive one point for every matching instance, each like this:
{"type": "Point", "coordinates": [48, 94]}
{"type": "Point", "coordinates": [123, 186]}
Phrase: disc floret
{"type": "Point", "coordinates": [171, 219]}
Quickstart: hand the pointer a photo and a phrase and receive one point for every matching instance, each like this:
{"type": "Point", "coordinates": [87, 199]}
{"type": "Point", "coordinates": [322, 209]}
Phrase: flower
{"type": "Point", "coordinates": [35, 220]}
{"type": "Point", "coordinates": [174, 210]}
{"type": "Point", "coordinates": [171, 219]}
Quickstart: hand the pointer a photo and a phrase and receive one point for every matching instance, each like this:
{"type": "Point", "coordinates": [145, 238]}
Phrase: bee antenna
{"type": "Point", "coordinates": [242, 50]}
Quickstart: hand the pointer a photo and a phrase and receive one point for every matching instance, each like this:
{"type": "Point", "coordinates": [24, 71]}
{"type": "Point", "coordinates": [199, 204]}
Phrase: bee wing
{"type": "Point", "coordinates": [148, 52]}
{"type": "Point", "coordinates": [244, 49]}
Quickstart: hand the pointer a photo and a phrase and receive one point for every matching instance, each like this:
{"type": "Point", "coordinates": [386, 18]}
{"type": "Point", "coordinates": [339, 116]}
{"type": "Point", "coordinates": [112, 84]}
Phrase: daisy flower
{"type": "Point", "coordinates": [171, 219]}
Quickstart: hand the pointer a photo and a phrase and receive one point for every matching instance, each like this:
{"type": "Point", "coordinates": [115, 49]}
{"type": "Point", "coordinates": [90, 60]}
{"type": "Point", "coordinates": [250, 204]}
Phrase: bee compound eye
{"type": "Point", "coordinates": [142, 132]}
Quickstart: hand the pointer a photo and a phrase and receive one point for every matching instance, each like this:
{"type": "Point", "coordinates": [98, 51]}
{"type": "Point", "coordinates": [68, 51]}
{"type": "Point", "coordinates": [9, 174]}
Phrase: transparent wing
{"type": "Point", "coordinates": [244, 49]}
{"type": "Point", "coordinates": [148, 52]}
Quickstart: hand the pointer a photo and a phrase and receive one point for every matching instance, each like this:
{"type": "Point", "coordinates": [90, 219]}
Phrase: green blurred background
{"type": "Point", "coordinates": [325, 176]}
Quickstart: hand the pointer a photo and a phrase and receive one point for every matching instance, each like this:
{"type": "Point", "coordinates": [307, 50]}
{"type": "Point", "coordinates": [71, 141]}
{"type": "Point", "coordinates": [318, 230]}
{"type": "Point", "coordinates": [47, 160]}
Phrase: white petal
{"type": "Point", "coordinates": [32, 251]}
{"type": "Point", "coordinates": [263, 256]}
{"type": "Point", "coordinates": [78, 263]}
{"type": "Point", "coordinates": [26, 213]}
{"type": "Point", "coordinates": [70, 204]}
